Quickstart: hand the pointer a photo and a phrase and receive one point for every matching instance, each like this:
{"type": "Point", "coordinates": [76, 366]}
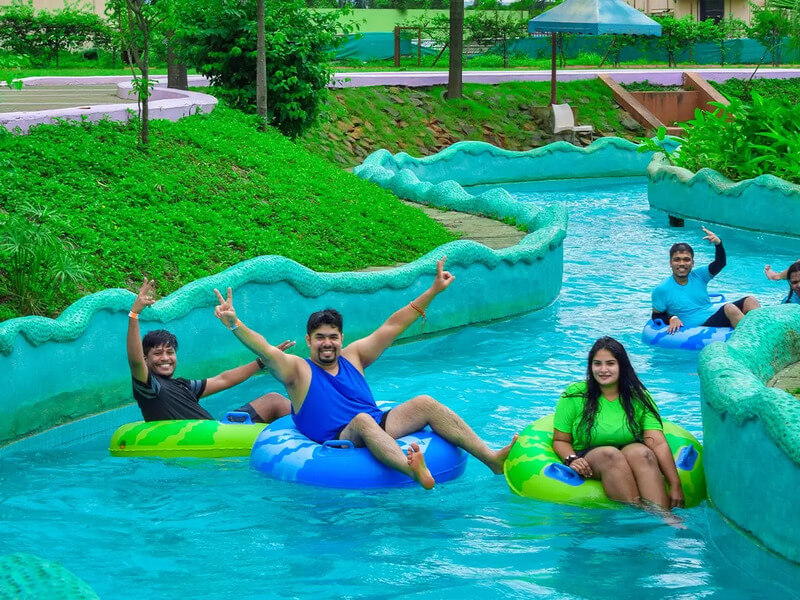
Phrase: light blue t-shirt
{"type": "Point", "coordinates": [793, 299]}
{"type": "Point", "coordinates": [688, 302]}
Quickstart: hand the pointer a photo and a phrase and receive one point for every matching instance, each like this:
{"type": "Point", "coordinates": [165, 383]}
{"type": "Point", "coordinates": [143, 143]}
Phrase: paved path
{"type": "Point", "coordinates": [661, 76]}
{"type": "Point", "coordinates": [788, 379]}
{"type": "Point", "coordinates": [58, 96]}
{"type": "Point", "coordinates": [41, 93]}
{"type": "Point", "coordinates": [488, 232]}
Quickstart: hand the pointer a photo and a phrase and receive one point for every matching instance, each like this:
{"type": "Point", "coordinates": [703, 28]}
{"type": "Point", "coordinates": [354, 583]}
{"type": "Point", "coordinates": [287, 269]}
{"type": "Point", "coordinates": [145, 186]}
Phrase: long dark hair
{"type": "Point", "coordinates": [794, 268]}
{"type": "Point", "coordinates": [630, 389]}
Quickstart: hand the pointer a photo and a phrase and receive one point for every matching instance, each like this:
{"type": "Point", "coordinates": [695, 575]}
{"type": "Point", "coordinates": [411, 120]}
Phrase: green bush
{"type": "Point", "coordinates": [783, 90]}
{"type": "Point", "coordinates": [218, 38]}
{"type": "Point", "coordinates": [742, 140]}
{"type": "Point", "coordinates": [41, 269]}
{"type": "Point", "coordinates": [210, 192]}
{"type": "Point", "coordinates": [42, 35]}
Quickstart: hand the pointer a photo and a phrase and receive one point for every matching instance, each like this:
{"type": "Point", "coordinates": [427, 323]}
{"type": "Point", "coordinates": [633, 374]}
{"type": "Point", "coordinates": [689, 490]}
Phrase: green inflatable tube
{"type": "Point", "coordinates": [193, 438]}
{"type": "Point", "coordinates": [534, 470]}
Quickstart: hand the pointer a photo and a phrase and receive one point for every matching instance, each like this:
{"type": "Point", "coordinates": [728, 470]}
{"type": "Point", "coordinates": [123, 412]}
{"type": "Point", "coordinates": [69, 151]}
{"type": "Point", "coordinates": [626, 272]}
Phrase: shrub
{"type": "Point", "coordinates": [218, 38]}
{"type": "Point", "coordinates": [40, 268]}
{"type": "Point", "coordinates": [742, 140]}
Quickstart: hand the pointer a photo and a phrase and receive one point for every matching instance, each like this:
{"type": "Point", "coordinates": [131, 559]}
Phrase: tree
{"type": "Point", "coordinates": [219, 39]}
{"type": "Point", "coordinates": [769, 27]}
{"type": "Point", "coordinates": [676, 35]}
{"type": "Point", "coordinates": [455, 73]}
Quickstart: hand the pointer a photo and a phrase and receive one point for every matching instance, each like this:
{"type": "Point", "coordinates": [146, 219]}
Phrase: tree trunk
{"type": "Point", "coordinates": [261, 66]}
{"type": "Point", "coordinates": [177, 73]}
{"type": "Point", "coordinates": [145, 68]}
{"type": "Point", "coordinates": [455, 75]}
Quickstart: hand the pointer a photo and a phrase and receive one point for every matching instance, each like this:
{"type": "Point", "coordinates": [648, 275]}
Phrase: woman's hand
{"type": "Point", "coordinates": [676, 499]}
{"type": "Point", "coordinates": [582, 467]}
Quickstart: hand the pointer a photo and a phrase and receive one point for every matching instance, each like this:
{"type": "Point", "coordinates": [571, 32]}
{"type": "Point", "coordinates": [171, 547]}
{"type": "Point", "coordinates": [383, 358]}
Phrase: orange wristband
{"type": "Point", "coordinates": [422, 312]}
{"type": "Point", "coordinates": [133, 315]}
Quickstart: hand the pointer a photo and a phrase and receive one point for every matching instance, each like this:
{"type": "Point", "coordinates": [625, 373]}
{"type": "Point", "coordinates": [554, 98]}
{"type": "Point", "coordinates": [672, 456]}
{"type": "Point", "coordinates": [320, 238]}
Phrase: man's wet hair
{"type": "Point", "coordinates": [159, 337]}
{"type": "Point", "coordinates": [329, 316]}
{"type": "Point", "coordinates": [681, 247]}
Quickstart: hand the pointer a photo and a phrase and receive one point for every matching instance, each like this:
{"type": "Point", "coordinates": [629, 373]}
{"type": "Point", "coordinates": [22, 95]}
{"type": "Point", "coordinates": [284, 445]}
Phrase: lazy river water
{"type": "Point", "coordinates": [141, 528]}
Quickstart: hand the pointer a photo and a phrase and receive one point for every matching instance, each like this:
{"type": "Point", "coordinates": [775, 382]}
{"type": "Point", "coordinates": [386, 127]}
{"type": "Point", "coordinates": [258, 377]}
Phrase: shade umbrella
{"type": "Point", "coordinates": [594, 17]}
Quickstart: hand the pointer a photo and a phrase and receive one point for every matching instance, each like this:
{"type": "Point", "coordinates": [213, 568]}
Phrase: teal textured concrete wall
{"type": "Point", "coordinates": [75, 365]}
{"type": "Point", "coordinates": [766, 203]}
{"type": "Point", "coordinates": [751, 432]}
{"type": "Point", "coordinates": [474, 163]}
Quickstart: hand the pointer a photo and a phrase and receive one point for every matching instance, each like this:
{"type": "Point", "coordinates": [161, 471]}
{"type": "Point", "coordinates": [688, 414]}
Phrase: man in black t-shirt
{"type": "Point", "coordinates": [162, 397]}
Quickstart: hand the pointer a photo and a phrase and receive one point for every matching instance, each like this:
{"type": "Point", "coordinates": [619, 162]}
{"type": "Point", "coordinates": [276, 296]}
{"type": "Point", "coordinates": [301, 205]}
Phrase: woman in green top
{"type": "Point", "coordinates": [608, 428]}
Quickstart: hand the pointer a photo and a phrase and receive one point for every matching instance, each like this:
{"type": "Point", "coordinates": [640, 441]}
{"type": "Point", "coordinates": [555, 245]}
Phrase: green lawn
{"type": "Point", "coordinates": [211, 191]}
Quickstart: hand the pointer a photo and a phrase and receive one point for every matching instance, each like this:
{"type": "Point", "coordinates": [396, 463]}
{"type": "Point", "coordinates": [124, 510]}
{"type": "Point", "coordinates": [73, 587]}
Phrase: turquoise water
{"type": "Point", "coordinates": [217, 529]}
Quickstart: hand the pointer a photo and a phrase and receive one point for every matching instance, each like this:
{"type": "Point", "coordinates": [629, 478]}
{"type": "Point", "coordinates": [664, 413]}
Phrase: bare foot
{"type": "Point", "coordinates": [420, 472]}
{"type": "Point", "coordinates": [500, 457]}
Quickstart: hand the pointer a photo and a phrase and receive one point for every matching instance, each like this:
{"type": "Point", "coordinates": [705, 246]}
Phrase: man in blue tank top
{"type": "Point", "coordinates": [331, 399]}
{"type": "Point", "coordinates": [682, 298]}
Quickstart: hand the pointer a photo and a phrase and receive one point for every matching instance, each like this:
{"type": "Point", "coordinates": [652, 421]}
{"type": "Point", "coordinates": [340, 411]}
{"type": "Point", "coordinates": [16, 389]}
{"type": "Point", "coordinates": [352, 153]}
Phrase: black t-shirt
{"type": "Point", "coordinates": [167, 399]}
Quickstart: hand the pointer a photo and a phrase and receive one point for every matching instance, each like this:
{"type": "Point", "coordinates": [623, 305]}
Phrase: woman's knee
{"type": "Point", "coordinates": [639, 455]}
{"type": "Point", "coordinates": [606, 457]}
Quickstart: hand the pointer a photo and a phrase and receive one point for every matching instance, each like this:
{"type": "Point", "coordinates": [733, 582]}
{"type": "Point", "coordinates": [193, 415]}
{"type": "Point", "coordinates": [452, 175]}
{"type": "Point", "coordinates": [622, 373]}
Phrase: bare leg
{"type": "Point", "coordinates": [733, 313]}
{"type": "Point", "coordinates": [610, 467]}
{"type": "Point", "coordinates": [271, 406]}
{"type": "Point", "coordinates": [646, 472]}
{"type": "Point", "coordinates": [420, 411]}
{"type": "Point", "coordinates": [750, 303]}
{"type": "Point", "coordinates": [364, 431]}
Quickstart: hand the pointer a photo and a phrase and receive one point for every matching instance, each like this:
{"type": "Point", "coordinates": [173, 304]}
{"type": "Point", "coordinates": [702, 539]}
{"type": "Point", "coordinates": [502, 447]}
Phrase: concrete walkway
{"type": "Point", "coordinates": [659, 76]}
{"type": "Point", "coordinates": [34, 98]}
{"type": "Point", "coordinates": [788, 379]}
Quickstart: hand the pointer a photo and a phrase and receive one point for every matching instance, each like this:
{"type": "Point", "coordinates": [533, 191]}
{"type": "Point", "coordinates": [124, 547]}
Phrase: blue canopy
{"type": "Point", "coordinates": [594, 17]}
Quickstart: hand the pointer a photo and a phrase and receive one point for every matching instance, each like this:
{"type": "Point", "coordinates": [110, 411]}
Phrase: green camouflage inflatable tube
{"type": "Point", "coordinates": [192, 438]}
{"type": "Point", "coordinates": [534, 470]}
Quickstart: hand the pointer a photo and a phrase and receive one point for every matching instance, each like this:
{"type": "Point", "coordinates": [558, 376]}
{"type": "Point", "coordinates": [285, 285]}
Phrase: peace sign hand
{"type": "Point", "coordinates": [144, 297]}
{"type": "Point", "coordinates": [224, 311]}
{"type": "Point", "coordinates": [711, 237]}
{"type": "Point", "coordinates": [443, 278]}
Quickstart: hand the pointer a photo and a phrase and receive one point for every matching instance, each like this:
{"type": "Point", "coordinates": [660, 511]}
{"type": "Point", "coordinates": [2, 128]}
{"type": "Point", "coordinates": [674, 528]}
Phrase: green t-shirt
{"type": "Point", "coordinates": [610, 423]}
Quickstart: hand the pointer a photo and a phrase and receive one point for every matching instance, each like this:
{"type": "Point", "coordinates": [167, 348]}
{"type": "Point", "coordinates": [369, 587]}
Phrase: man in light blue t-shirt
{"type": "Point", "coordinates": [682, 299]}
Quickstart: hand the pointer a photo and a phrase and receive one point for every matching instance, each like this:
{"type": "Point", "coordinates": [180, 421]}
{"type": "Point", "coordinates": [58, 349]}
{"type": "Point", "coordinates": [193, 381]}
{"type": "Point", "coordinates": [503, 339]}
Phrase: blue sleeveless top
{"type": "Point", "coordinates": [333, 401]}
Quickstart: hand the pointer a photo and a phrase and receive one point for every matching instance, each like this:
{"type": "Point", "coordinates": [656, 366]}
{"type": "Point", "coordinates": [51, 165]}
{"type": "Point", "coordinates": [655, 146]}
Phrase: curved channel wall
{"type": "Point", "coordinates": [75, 365]}
{"type": "Point", "coordinates": [766, 203]}
{"type": "Point", "coordinates": [751, 432]}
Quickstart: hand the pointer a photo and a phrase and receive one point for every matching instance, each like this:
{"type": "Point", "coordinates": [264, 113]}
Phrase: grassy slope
{"type": "Point", "coordinates": [211, 192]}
{"type": "Point", "coordinates": [358, 121]}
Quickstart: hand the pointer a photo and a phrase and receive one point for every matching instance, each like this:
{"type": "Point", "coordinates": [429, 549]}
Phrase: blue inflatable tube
{"type": "Point", "coordinates": [282, 452]}
{"type": "Point", "coordinates": [656, 333]}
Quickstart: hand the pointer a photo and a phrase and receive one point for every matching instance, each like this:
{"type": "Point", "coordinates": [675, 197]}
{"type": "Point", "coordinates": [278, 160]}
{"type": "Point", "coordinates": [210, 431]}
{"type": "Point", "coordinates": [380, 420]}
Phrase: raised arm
{"type": "Point", "coordinates": [367, 350]}
{"type": "Point", "coordinates": [228, 379]}
{"type": "Point", "coordinates": [144, 298]}
{"type": "Point", "coordinates": [720, 260]}
{"type": "Point", "coordinates": [284, 367]}
{"type": "Point", "coordinates": [655, 440]}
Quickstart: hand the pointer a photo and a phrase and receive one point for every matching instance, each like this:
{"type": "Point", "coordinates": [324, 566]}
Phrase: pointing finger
{"type": "Point", "coordinates": [219, 296]}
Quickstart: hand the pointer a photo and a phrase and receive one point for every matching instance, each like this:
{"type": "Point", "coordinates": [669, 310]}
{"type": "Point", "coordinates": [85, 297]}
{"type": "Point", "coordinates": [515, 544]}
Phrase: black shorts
{"type": "Point", "coordinates": [382, 423]}
{"type": "Point", "coordinates": [720, 319]}
{"type": "Point", "coordinates": [254, 416]}
{"type": "Point", "coordinates": [585, 451]}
